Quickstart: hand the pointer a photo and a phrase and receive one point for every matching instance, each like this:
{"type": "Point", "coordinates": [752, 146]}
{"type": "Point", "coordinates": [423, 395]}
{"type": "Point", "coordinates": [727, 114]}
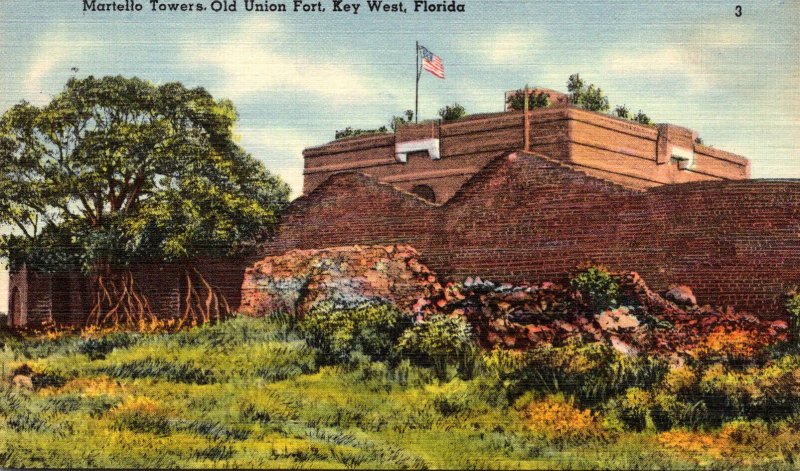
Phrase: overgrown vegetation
{"type": "Point", "coordinates": [114, 171]}
{"type": "Point", "coordinates": [394, 123]}
{"type": "Point", "coordinates": [596, 288]}
{"type": "Point", "coordinates": [516, 100]}
{"type": "Point", "coordinates": [452, 112]}
{"type": "Point", "coordinates": [368, 386]}
{"type": "Point", "coordinates": [793, 309]}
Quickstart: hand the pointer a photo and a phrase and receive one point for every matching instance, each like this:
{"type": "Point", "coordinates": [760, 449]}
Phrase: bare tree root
{"type": "Point", "coordinates": [202, 302]}
{"type": "Point", "coordinates": [118, 300]}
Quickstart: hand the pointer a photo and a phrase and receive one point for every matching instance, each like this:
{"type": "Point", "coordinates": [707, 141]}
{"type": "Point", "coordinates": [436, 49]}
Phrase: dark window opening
{"type": "Point", "coordinates": [425, 192]}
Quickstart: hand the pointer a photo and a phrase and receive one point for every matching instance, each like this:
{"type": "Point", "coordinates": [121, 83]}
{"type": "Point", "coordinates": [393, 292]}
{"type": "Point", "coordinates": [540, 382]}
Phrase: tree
{"type": "Point", "coordinates": [622, 112]}
{"type": "Point", "coordinates": [590, 98]}
{"type": "Point", "coordinates": [399, 121]}
{"type": "Point", "coordinates": [642, 118]}
{"type": "Point", "coordinates": [516, 100]}
{"type": "Point", "coordinates": [452, 113]}
{"type": "Point", "coordinates": [117, 169]}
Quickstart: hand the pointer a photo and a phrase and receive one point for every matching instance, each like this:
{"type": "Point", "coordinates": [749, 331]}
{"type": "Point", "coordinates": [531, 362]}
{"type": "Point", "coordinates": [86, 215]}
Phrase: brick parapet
{"type": "Point", "coordinates": [629, 153]}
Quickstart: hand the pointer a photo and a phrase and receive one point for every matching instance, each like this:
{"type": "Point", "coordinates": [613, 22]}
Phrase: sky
{"type": "Point", "coordinates": [296, 78]}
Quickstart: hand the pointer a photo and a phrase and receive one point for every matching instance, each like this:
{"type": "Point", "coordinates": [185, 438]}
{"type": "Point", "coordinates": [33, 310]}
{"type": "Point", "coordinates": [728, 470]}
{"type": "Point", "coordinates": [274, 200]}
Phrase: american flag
{"type": "Point", "coordinates": [431, 62]}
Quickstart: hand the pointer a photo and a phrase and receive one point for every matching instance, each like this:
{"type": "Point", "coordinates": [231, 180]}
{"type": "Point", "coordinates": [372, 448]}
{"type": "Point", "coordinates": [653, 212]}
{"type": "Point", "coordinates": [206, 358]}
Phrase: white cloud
{"type": "Point", "coordinates": [52, 52]}
{"type": "Point", "coordinates": [512, 47]}
{"type": "Point", "coordinates": [252, 62]}
{"type": "Point", "coordinates": [696, 60]}
{"type": "Point", "coordinates": [282, 150]}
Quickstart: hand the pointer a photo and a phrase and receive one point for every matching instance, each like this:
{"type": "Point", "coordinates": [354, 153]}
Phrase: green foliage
{"type": "Point", "coordinates": [590, 98]}
{"type": "Point", "coordinates": [399, 121]}
{"type": "Point", "coordinates": [577, 406]}
{"type": "Point", "coordinates": [395, 123]}
{"type": "Point", "coordinates": [793, 309]}
{"type": "Point", "coordinates": [442, 343]}
{"type": "Point", "coordinates": [352, 132]}
{"type": "Point", "coordinates": [160, 369]}
{"type": "Point", "coordinates": [591, 373]}
{"type": "Point", "coordinates": [634, 407]}
{"type": "Point", "coordinates": [622, 111]}
{"type": "Point", "coordinates": [516, 100]}
{"type": "Point", "coordinates": [370, 328]}
{"type": "Point", "coordinates": [115, 169]}
{"type": "Point", "coordinates": [98, 348]}
{"type": "Point", "coordinates": [597, 288]}
{"type": "Point", "coordinates": [702, 396]}
{"type": "Point", "coordinates": [452, 113]}
{"type": "Point", "coordinates": [642, 118]}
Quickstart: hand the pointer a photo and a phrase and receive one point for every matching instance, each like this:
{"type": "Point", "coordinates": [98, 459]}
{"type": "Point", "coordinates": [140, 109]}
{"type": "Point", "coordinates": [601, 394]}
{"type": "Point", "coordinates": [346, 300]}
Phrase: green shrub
{"type": "Point", "coordinates": [142, 421]}
{"type": "Point", "coordinates": [793, 309]}
{"type": "Point", "coordinates": [370, 328]}
{"type": "Point", "coordinates": [215, 430]}
{"type": "Point", "coordinates": [634, 407]}
{"type": "Point", "coordinates": [591, 373]}
{"type": "Point", "coordinates": [216, 451]}
{"type": "Point", "coordinates": [669, 411]}
{"type": "Point", "coordinates": [407, 375]}
{"type": "Point", "coordinates": [233, 332]}
{"type": "Point", "coordinates": [744, 432]}
{"type": "Point", "coordinates": [443, 343]}
{"type": "Point", "coordinates": [597, 288]}
{"type": "Point", "coordinates": [27, 421]}
{"type": "Point", "coordinates": [718, 393]}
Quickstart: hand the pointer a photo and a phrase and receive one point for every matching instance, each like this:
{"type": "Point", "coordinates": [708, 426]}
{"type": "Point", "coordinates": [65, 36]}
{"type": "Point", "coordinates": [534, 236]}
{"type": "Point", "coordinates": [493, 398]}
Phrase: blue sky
{"type": "Point", "coordinates": [296, 78]}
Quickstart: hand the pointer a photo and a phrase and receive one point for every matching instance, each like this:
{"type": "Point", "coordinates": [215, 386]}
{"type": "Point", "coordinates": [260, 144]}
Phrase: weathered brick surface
{"type": "Point", "coordinates": [65, 298]}
{"type": "Point", "coordinates": [615, 149]}
{"type": "Point", "coordinates": [529, 218]}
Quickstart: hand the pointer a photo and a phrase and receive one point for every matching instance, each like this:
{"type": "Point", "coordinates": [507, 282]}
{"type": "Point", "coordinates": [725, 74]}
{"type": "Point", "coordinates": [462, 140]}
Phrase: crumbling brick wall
{"type": "Point", "coordinates": [530, 218]}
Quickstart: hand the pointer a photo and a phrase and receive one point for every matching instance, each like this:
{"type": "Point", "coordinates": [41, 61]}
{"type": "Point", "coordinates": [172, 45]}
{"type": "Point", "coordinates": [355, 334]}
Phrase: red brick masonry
{"type": "Point", "coordinates": [527, 217]}
{"type": "Point", "coordinates": [614, 149]}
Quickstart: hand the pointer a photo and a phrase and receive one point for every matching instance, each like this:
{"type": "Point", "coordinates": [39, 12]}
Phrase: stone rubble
{"type": "Point", "coordinates": [510, 316]}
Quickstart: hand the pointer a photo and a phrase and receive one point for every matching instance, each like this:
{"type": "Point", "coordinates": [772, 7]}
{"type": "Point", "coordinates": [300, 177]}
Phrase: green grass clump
{"type": "Point", "coordinates": [158, 368]}
{"type": "Point", "coordinates": [442, 343]}
{"type": "Point", "coordinates": [596, 288]}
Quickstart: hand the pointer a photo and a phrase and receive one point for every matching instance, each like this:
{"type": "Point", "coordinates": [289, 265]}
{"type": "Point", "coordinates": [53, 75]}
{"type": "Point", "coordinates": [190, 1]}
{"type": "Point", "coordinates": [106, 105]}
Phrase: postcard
{"type": "Point", "coordinates": [416, 234]}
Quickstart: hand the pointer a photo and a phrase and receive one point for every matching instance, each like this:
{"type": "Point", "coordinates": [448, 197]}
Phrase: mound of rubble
{"type": "Point", "coordinates": [524, 316]}
{"type": "Point", "coordinates": [345, 276]}
{"type": "Point", "coordinates": [512, 316]}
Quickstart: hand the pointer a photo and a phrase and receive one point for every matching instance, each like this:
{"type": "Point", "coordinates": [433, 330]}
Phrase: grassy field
{"type": "Point", "coordinates": [252, 393]}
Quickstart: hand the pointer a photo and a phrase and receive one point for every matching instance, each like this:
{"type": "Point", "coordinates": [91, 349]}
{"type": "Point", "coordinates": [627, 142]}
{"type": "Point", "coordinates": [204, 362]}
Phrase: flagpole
{"type": "Point", "coordinates": [416, 105]}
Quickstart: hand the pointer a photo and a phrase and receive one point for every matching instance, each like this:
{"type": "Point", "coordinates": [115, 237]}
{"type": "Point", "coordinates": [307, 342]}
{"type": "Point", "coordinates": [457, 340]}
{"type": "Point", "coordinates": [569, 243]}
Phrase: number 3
{"type": "Point", "coordinates": [738, 11]}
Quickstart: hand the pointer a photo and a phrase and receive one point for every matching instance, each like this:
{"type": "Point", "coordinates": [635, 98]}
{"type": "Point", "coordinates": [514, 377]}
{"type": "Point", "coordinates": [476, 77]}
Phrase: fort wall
{"type": "Point", "coordinates": [527, 217]}
{"type": "Point", "coordinates": [629, 153]}
{"type": "Point", "coordinates": [66, 297]}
